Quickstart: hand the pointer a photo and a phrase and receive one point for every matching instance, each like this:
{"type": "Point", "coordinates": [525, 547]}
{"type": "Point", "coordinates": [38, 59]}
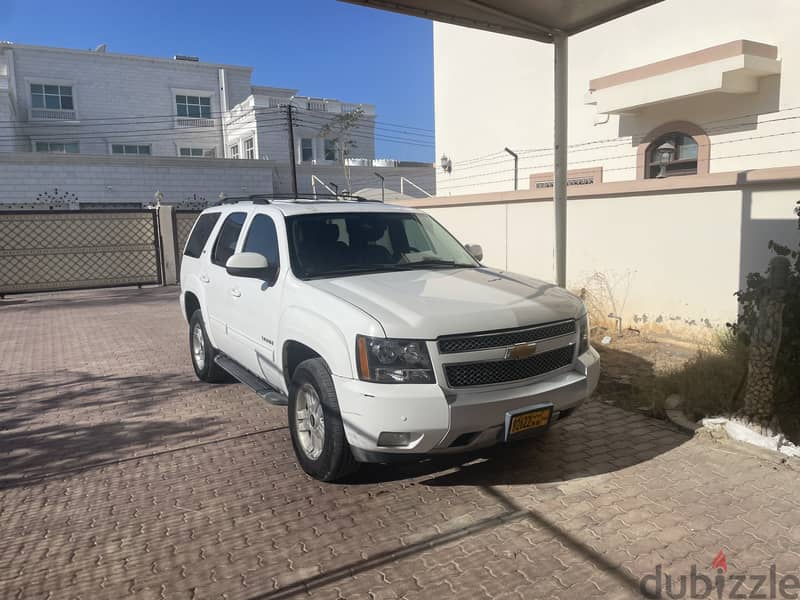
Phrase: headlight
{"type": "Point", "coordinates": [583, 329]}
{"type": "Point", "coordinates": [385, 360]}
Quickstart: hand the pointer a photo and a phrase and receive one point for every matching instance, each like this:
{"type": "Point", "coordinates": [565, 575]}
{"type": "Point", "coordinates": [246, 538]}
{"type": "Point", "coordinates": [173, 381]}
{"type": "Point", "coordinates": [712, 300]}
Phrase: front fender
{"type": "Point", "coordinates": [325, 337]}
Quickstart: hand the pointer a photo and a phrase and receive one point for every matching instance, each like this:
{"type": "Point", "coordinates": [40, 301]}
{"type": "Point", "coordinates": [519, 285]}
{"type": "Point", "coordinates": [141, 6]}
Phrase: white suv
{"type": "Point", "coordinates": [385, 336]}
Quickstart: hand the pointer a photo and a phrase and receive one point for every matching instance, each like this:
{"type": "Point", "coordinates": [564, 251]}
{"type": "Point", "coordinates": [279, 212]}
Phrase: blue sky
{"type": "Point", "coordinates": [322, 47]}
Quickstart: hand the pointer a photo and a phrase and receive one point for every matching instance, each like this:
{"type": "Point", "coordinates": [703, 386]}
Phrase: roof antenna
{"type": "Point", "coordinates": [101, 48]}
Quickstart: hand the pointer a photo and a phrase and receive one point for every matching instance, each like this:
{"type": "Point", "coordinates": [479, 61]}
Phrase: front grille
{"type": "Point", "coordinates": [502, 371]}
{"type": "Point", "coordinates": [468, 343]}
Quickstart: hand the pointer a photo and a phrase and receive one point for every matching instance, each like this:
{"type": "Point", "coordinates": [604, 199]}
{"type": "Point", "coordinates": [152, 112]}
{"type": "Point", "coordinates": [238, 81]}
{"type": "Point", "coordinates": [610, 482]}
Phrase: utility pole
{"type": "Point", "coordinates": [292, 157]}
{"type": "Point", "coordinates": [560, 45]}
{"type": "Point", "coordinates": [383, 181]}
{"type": "Point", "coordinates": [516, 164]}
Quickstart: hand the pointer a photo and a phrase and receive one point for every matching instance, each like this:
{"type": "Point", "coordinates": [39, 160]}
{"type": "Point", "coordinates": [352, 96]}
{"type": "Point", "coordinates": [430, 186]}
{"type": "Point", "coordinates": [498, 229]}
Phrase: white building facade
{"type": "Point", "coordinates": [684, 148]}
{"type": "Point", "coordinates": [87, 104]}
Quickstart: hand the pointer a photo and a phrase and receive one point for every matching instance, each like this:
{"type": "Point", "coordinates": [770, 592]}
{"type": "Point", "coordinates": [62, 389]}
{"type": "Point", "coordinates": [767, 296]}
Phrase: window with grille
{"type": "Point", "coordinates": [249, 148]}
{"type": "Point", "coordinates": [306, 149]}
{"type": "Point", "coordinates": [62, 147]}
{"type": "Point", "coordinates": [234, 151]}
{"type": "Point", "coordinates": [330, 150]}
{"type": "Point", "coordinates": [136, 149]}
{"type": "Point", "coordinates": [193, 106]}
{"type": "Point", "coordinates": [198, 152]}
{"type": "Point", "coordinates": [53, 97]}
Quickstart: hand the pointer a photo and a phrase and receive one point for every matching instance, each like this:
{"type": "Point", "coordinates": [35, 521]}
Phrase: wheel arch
{"type": "Point", "coordinates": [191, 303]}
{"type": "Point", "coordinates": [293, 353]}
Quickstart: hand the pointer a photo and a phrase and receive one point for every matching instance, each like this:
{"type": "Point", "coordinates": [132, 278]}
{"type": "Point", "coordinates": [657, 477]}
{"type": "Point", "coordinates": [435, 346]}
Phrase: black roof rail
{"type": "Point", "coordinates": [267, 198]}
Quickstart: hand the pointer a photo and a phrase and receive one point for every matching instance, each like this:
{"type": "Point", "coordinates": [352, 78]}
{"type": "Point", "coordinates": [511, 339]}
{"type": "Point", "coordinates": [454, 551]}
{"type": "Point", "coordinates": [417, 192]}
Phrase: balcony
{"type": "Point", "coordinates": [317, 105]}
{"type": "Point", "coordinates": [184, 122]}
{"type": "Point", "coordinates": [732, 68]}
{"type": "Point", "coordinates": [51, 114]}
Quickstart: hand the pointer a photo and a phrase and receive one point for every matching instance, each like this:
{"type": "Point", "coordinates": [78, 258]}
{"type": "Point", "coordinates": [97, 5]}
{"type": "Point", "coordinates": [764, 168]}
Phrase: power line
{"type": "Point", "coordinates": [634, 136]}
{"type": "Point", "coordinates": [121, 134]}
{"type": "Point", "coordinates": [443, 186]}
{"type": "Point", "coordinates": [375, 136]}
{"type": "Point", "coordinates": [589, 146]}
{"type": "Point", "coordinates": [309, 119]}
{"type": "Point", "coordinates": [429, 132]}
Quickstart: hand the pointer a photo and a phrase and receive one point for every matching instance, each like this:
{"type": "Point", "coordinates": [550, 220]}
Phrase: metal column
{"type": "Point", "coordinates": [560, 155]}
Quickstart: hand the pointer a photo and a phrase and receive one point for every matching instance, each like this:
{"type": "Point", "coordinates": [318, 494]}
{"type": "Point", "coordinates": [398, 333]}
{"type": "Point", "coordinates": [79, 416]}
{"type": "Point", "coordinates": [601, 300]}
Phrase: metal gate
{"type": "Point", "coordinates": [69, 250]}
{"type": "Point", "coordinates": [184, 221]}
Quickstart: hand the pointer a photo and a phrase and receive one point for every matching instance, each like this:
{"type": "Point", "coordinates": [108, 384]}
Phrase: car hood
{"type": "Point", "coordinates": [433, 302]}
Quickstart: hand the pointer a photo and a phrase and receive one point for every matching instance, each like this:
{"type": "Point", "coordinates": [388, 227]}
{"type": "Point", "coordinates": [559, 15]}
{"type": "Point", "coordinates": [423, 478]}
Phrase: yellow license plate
{"type": "Point", "coordinates": [530, 420]}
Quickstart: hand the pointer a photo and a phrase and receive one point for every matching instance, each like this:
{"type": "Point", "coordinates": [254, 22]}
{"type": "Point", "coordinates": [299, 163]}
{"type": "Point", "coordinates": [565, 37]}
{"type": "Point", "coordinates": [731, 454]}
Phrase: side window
{"type": "Point", "coordinates": [263, 239]}
{"type": "Point", "coordinates": [225, 245]}
{"type": "Point", "coordinates": [202, 229]}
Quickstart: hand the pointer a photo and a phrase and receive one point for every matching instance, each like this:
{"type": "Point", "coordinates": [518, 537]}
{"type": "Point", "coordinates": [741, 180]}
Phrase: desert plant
{"type": "Point", "coordinates": [605, 294]}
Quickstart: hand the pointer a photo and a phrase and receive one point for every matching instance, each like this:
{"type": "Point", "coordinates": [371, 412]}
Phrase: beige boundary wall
{"type": "Point", "coordinates": [671, 251]}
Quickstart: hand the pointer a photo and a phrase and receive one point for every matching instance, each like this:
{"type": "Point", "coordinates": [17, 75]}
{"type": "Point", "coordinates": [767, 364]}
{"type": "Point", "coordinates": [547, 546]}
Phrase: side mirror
{"type": "Point", "coordinates": [247, 264]}
{"type": "Point", "coordinates": [475, 250]}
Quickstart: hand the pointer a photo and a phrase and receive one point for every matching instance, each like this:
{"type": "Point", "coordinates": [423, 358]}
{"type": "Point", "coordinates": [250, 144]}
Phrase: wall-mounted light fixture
{"type": "Point", "coordinates": [666, 152]}
{"type": "Point", "coordinates": [446, 164]}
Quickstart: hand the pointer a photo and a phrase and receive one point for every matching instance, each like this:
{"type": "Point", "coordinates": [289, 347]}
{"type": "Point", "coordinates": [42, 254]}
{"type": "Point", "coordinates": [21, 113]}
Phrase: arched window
{"type": "Point", "coordinates": [671, 154]}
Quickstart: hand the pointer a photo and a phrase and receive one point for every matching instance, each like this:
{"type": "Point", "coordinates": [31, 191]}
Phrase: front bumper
{"type": "Point", "coordinates": [448, 421]}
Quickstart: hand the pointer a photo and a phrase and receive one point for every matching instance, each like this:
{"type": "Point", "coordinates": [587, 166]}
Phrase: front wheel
{"type": "Point", "coordinates": [315, 423]}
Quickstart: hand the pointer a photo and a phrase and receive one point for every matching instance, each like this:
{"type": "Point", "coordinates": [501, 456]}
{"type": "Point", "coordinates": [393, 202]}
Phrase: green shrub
{"type": "Point", "coordinates": [787, 364]}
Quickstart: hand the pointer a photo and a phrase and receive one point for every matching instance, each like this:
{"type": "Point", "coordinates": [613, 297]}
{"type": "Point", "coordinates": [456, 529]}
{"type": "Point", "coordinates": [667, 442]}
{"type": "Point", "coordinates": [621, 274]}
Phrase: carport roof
{"type": "Point", "coordinates": [533, 19]}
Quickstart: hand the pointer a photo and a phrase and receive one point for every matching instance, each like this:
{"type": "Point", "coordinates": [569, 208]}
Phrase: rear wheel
{"type": "Point", "coordinates": [203, 352]}
{"type": "Point", "coordinates": [316, 425]}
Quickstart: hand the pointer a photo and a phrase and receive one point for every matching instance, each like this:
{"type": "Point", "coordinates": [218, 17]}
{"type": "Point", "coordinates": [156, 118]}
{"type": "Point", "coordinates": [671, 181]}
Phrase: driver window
{"type": "Point", "coordinates": [262, 238]}
{"type": "Point", "coordinates": [416, 236]}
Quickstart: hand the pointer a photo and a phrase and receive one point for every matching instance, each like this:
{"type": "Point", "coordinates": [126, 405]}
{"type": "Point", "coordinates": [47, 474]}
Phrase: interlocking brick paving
{"type": "Point", "coordinates": [122, 476]}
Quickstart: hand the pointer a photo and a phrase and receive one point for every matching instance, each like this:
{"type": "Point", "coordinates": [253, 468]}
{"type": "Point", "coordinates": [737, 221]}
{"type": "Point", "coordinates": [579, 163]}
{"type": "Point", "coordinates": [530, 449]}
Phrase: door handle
{"type": "Point", "coordinates": [205, 279]}
{"type": "Point", "coordinates": [236, 293]}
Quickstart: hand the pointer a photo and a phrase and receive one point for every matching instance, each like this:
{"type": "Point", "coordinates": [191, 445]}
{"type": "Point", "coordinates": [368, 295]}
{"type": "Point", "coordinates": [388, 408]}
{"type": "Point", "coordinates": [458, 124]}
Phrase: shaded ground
{"type": "Point", "coordinates": [121, 476]}
{"type": "Point", "coordinates": [632, 362]}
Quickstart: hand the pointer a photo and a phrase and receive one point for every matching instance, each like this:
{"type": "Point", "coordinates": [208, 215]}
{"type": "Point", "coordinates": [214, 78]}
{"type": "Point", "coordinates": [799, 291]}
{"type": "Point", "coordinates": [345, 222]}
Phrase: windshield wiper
{"type": "Point", "coordinates": [356, 268]}
{"type": "Point", "coordinates": [436, 262]}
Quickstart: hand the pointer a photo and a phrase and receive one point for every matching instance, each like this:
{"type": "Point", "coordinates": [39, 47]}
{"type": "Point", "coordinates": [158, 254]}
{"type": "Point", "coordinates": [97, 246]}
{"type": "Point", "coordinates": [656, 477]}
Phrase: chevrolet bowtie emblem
{"type": "Point", "coordinates": [520, 351]}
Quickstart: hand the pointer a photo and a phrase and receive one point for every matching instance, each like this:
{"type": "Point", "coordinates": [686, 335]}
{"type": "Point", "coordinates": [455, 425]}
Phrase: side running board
{"type": "Point", "coordinates": [259, 386]}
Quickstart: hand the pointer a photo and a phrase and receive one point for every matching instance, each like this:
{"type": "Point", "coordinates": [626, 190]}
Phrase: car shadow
{"type": "Point", "coordinates": [599, 437]}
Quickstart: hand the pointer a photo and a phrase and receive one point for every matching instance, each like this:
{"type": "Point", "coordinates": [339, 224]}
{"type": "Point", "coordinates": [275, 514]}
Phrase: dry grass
{"type": "Point", "coordinates": [710, 383]}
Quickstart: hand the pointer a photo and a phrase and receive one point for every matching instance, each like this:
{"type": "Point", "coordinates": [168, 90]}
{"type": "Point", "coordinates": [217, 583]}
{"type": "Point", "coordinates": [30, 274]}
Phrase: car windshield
{"type": "Point", "coordinates": [334, 244]}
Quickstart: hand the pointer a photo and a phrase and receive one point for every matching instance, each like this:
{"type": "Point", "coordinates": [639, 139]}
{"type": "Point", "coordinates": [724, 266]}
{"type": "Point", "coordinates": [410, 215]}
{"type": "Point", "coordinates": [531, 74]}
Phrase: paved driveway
{"type": "Point", "coordinates": [121, 476]}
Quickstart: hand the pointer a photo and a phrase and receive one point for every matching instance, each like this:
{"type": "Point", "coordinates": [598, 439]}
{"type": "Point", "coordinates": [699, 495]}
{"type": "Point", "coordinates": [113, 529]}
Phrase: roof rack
{"type": "Point", "coordinates": [309, 198]}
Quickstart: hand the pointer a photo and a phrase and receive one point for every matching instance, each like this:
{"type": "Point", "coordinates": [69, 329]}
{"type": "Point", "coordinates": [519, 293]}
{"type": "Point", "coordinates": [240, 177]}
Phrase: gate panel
{"type": "Point", "coordinates": [68, 250]}
{"type": "Point", "coordinates": [184, 221]}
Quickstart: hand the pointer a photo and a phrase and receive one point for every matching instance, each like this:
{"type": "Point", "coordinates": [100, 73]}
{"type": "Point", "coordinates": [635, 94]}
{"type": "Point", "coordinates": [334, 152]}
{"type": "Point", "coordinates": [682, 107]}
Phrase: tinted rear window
{"type": "Point", "coordinates": [199, 237]}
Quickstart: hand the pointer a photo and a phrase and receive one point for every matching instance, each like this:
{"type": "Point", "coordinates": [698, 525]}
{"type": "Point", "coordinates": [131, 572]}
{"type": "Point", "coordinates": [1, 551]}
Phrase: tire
{"type": "Point", "coordinates": [203, 353]}
{"type": "Point", "coordinates": [328, 458]}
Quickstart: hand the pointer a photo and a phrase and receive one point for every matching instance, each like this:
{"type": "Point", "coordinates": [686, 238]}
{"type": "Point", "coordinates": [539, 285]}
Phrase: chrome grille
{"type": "Point", "coordinates": [503, 371]}
{"type": "Point", "coordinates": [469, 343]}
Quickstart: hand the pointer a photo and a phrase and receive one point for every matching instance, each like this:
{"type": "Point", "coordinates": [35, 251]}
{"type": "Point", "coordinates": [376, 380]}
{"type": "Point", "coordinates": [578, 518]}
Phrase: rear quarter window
{"type": "Point", "coordinates": [200, 234]}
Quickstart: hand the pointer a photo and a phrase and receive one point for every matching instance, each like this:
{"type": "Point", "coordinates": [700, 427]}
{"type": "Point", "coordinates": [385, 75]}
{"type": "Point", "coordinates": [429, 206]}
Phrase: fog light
{"type": "Point", "coordinates": [394, 438]}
